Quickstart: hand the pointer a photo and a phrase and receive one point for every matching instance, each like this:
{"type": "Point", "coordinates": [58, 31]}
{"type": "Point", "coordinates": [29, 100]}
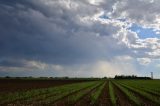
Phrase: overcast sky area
{"type": "Point", "coordinates": [79, 38]}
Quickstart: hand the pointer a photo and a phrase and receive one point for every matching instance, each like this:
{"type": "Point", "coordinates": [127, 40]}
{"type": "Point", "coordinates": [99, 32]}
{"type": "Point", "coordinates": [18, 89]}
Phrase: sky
{"type": "Point", "coordinates": [79, 38]}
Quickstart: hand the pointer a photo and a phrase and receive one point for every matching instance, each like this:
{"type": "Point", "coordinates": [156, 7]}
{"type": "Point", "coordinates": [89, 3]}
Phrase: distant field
{"type": "Point", "coordinates": [8, 85]}
{"type": "Point", "coordinates": [80, 93]}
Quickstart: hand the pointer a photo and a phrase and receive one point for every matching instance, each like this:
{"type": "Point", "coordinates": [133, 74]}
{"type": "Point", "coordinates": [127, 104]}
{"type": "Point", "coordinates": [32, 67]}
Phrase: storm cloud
{"type": "Point", "coordinates": [71, 37]}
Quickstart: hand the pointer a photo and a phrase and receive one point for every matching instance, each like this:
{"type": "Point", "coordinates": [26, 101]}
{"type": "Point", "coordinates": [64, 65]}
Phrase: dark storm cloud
{"type": "Point", "coordinates": [52, 32]}
{"type": "Point", "coordinates": [23, 33]}
{"type": "Point", "coordinates": [30, 31]}
{"type": "Point", "coordinates": [7, 63]}
{"type": "Point", "coordinates": [72, 37]}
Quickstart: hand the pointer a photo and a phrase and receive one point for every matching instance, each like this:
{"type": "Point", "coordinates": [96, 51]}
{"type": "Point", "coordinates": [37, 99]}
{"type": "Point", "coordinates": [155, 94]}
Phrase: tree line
{"type": "Point", "coordinates": [130, 77]}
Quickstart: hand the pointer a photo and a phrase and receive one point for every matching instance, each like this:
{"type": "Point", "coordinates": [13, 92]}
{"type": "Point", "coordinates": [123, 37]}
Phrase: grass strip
{"type": "Point", "coordinates": [74, 98]}
{"type": "Point", "coordinates": [144, 94]}
{"type": "Point", "coordinates": [129, 94]}
{"type": "Point", "coordinates": [11, 97]}
{"type": "Point", "coordinates": [55, 98]}
{"type": "Point", "coordinates": [95, 95]}
{"type": "Point", "coordinates": [112, 94]}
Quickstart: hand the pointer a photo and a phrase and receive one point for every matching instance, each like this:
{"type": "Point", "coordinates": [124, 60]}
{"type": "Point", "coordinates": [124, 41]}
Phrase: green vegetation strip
{"type": "Point", "coordinates": [57, 97]}
{"type": "Point", "coordinates": [74, 98]}
{"type": "Point", "coordinates": [144, 94]}
{"type": "Point", "coordinates": [112, 94]}
{"type": "Point", "coordinates": [59, 92]}
{"type": "Point", "coordinates": [129, 94]}
{"type": "Point", "coordinates": [11, 97]}
{"type": "Point", "coordinates": [150, 86]}
{"type": "Point", "coordinates": [95, 95]}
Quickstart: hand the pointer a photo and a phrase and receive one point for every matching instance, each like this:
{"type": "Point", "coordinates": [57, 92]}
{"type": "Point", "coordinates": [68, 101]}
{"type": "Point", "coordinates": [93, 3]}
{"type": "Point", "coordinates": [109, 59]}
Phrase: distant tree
{"type": "Point", "coordinates": [66, 77]}
{"type": "Point", "coordinates": [104, 77]}
{"type": "Point", "coordinates": [7, 77]}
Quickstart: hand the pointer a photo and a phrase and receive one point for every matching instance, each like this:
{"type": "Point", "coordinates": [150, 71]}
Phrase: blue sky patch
{"type": "Point", "coordinates": [104, 16]}
{"type": "Point", "coordinates": [144, 32]}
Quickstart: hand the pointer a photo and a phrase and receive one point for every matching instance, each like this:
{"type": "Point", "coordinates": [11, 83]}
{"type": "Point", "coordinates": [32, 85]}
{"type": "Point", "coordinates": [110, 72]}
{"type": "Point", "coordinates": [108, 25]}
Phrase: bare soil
{"type": "Point", "coordinates": [104, 99]}
{"type": "Point", "coordinates": [122, 99]}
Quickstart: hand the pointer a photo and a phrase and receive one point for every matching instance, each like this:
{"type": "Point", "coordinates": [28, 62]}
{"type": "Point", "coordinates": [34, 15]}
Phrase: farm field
{"type": "Point", "coordinates": [12, 85]}
{"type": "Point", "coordinates": [85, 93]}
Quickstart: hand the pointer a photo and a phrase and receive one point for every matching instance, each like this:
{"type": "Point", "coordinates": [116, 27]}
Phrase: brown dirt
{"type": "Point", "coordinates": [104, 99]}
{"type": "Point", "coordinates": [122, 99]}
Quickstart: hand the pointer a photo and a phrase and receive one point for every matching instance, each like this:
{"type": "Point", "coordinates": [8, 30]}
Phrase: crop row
{"type": "Point", "coordinates": [40, 94]}
{"type": "Point", "coordinates": [150, 86]}
{"type": "Point", "coordinates": [117, 93]}
{"type": "Point", "coordinates": [136, 93]}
